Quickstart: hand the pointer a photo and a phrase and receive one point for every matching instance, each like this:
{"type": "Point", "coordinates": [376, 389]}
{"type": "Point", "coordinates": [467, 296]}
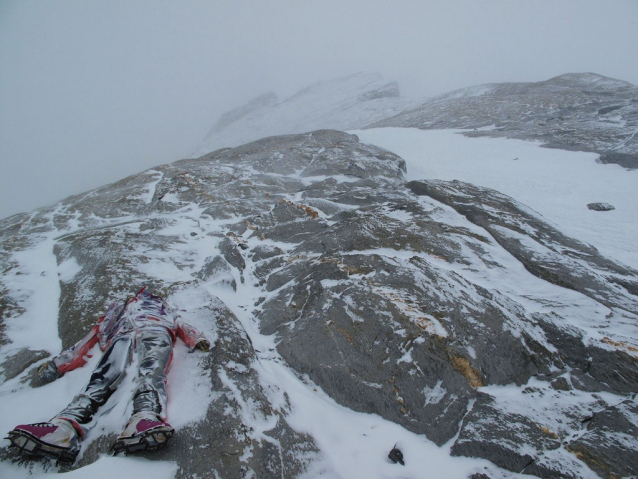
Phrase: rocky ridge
{"type": "Point", "coordinates": [582, 112]}
{"type": "Point", "coordinates": [449, 309]}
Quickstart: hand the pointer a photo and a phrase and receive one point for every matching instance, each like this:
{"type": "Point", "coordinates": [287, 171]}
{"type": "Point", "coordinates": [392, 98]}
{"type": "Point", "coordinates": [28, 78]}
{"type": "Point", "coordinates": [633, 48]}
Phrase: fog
{"type": "Point", "coordinates": [93, 91]}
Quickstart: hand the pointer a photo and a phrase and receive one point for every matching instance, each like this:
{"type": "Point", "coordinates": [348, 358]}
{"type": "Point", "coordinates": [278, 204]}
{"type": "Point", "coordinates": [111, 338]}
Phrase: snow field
{"type": "Point", "coordinates": [556, 183]}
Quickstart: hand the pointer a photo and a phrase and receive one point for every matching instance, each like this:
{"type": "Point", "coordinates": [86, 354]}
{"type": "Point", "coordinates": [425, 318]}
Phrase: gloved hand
{"type": "Point", "coordinates": [48, 372]}
{"type": "Point", "coordinates": [203, 345]}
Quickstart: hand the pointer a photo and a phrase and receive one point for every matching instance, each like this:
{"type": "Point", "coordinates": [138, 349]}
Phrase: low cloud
{"type": "Point", "coordinates": [91, 92]}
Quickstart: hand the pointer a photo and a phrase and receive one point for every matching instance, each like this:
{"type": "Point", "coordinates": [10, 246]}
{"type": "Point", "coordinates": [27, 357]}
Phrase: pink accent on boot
{"type": "Point", "coordinates": [38, 430]}
{"type": "Point", "coordinates": [142, 423]}
{"type": "Point", "coordinates": [57, 436]}
{"type": "Point", "coordinates": [146, 424]}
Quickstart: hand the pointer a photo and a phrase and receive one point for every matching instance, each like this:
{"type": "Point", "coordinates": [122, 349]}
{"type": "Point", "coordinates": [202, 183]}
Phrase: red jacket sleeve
{"type": "Point", "coordinates": [189, 334]}
{"type": "Point", "coordinates": [74, 357]}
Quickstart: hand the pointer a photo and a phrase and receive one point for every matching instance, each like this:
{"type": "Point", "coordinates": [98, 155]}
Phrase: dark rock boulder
{"type": "Point", "coordinates": [601, 207]}
{"type": "Point", "coordinates": [18, 362]}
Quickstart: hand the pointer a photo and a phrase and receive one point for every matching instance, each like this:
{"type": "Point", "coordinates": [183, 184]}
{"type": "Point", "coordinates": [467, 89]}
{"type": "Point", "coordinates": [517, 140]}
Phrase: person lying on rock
{"type": "Point", "coordinates": [144, 324]}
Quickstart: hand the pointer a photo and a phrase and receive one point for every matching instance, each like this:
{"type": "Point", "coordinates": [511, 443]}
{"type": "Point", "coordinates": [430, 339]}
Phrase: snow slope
{"type": "Point", "coordinates": [556, 183]}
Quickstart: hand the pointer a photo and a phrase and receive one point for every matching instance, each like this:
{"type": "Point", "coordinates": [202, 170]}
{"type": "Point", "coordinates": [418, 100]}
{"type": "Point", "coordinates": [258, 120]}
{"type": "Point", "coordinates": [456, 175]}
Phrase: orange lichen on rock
{"type": "Point", "coordinates": [622, 345]}
{"type": "Point", "coordinates": [463, 366]}
{"type": "Point", "coordinates": [547, 431]}
{"type": "Point", "coordinates": [314, 214]}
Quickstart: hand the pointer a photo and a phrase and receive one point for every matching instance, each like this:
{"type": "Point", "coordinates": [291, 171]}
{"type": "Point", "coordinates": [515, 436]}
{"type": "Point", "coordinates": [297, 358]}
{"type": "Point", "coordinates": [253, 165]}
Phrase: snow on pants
{"type": "Point", "coordinates": [154, 348]}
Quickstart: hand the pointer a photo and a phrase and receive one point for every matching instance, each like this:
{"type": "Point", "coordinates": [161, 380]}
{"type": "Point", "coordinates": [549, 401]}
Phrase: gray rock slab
{"type": "Point", "coordinates": [373, 290]}
{"type": "Point", "coordinates": [508, 440]}
{"type": "Point", "coordinates": [610, 442]}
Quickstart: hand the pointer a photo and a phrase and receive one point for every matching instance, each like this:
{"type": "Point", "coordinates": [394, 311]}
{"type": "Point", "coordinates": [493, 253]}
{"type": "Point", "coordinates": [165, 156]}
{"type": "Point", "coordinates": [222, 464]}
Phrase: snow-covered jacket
{"type": "Point", "coordinates": [143, 311]}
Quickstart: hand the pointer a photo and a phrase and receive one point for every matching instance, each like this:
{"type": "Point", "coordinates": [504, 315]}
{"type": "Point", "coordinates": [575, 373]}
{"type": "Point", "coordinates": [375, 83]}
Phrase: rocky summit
{"type": "Point", "coordinates": [449, 309]}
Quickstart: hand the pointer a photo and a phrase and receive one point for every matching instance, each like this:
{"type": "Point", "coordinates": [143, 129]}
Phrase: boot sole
{"type": "Point", "coordinates": [149, 441]}
{"type": "Point", "coordinates": [28, 444]}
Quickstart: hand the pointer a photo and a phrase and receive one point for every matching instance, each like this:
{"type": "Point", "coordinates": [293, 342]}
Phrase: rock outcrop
{"type": "Point", "coordinates": [449, 309]}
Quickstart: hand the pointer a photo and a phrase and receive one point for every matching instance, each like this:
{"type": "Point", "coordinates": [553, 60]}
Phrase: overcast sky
{"type": "Point", "coordinates": [92, 91]}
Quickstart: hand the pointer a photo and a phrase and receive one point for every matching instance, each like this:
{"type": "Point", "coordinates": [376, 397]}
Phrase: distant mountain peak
{"type": "Point", "coordinates": [262, 101]}
{"type": "Point", "coordinates": [576, 111]}
{"type": "Point", "coordinates": [345, 103]}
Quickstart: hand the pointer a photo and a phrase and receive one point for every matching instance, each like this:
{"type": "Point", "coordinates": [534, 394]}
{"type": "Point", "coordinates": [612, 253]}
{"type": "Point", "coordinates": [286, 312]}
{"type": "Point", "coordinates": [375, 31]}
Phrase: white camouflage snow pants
{"type": "Point", "coordinates": [154, 349]}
